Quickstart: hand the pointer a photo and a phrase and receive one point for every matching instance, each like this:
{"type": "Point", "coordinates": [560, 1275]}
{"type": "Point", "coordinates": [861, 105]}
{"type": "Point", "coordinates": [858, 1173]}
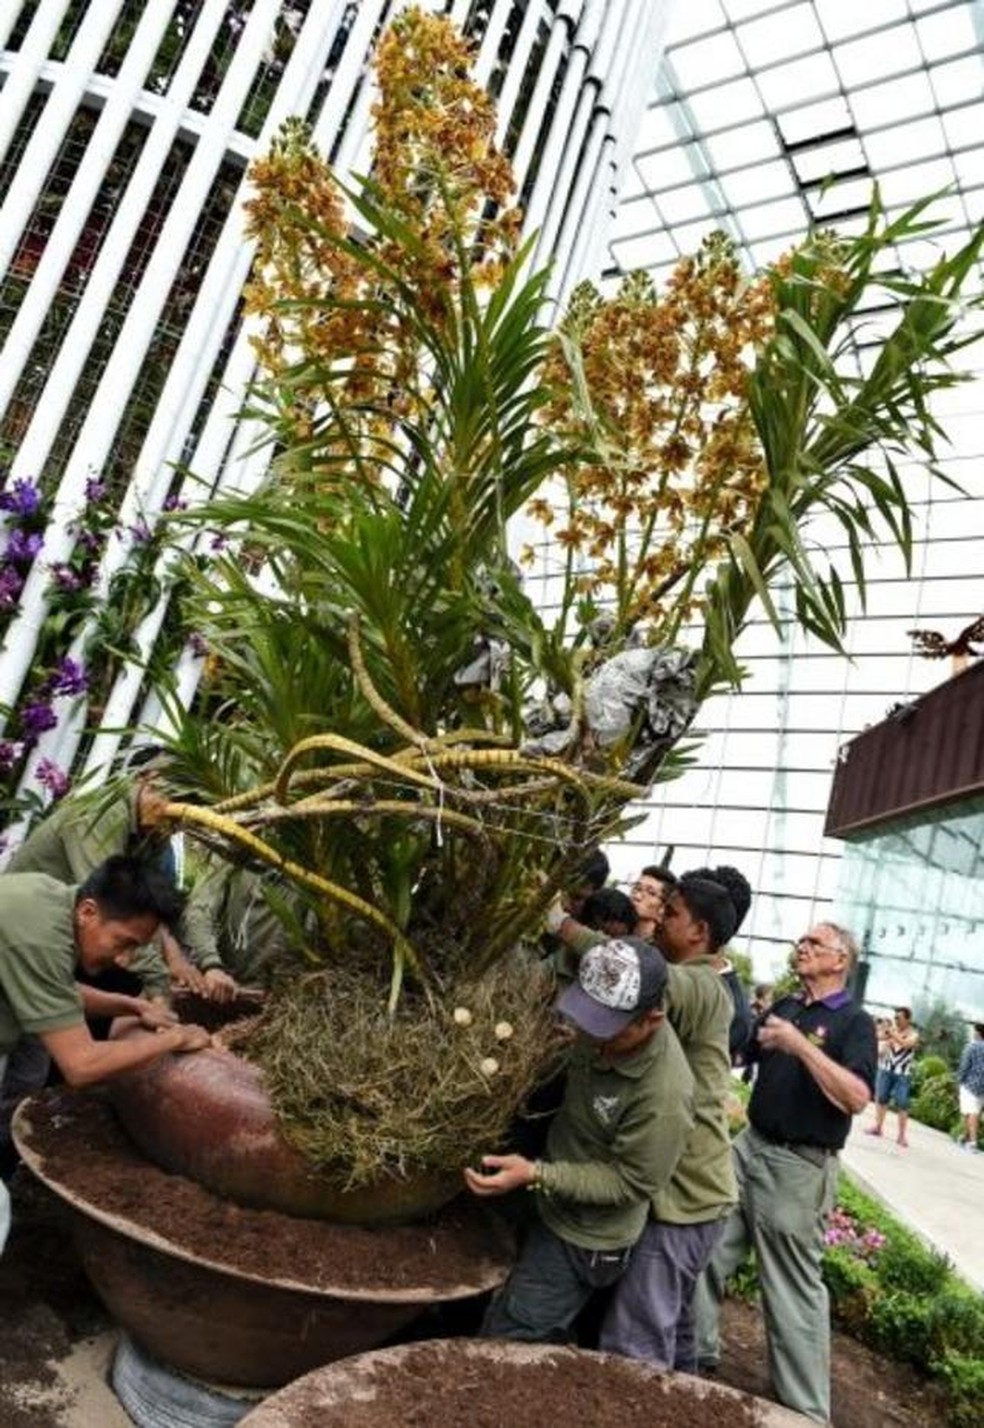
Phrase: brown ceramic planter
{"type": "Point", "coordinates": [208, 1116]}
{"type": "Point", "coordinates": [215, 1321]}
{"type": "Point", "coordinates": [446, 1383]}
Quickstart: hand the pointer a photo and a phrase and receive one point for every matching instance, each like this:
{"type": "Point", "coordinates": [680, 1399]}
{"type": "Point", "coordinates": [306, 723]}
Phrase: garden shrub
{"type": "Point", "coordinates": [936, 1104]}
{"type": "Point", "coordinates": [942, 1033]}
{"type": "Point", "coordinates": [963, 1375]}
{"type": "Point", "coordinates": [899, 1325]}
{"type": "Point", "coordinates": [924, 1069]}
{"type": "Point", "coordinates": [908, 1266]}
{"type": "Point", "coordinates": [853, 1286]}
{"type": "Point", "coordinates": [956, 1324]}
{"type": "Point", "coordinates": [744, 1283]}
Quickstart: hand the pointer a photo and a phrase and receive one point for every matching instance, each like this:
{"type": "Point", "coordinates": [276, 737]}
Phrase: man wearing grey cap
{"type": "Point", "coordinates": [613, 1145]}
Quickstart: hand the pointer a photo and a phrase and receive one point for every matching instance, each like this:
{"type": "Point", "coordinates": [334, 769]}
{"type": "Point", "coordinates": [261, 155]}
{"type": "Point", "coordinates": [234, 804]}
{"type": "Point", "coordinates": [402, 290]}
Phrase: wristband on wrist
{"type": "Point", "coordinates": [535, 1181]}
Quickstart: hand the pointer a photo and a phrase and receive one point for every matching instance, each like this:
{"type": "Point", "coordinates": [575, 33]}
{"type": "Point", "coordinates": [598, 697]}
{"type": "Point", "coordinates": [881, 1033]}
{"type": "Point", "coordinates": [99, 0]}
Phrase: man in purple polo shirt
{"type": "Point", "coordinates": [817, 1058]}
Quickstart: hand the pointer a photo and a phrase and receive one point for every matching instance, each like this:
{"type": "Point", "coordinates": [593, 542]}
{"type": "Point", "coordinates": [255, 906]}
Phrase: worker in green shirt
{"type": "Point", "coordinates": [81, 833]}
{"type": "Point", "coordinates": [651, 1314]}
{"type": "Point", "coordinates": [74, 838]}
{"type": "Point", "coordinates": [612, 1147]}
{"type": "Point", "coordinates": [231, 917]}
{"type": "Point", "coordinates": [48, 930]}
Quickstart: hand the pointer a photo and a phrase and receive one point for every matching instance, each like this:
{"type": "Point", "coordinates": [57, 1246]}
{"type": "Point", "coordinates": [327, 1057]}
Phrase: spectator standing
{"type": "Point", "coordinates": [970, 1079]}
{"type": "Point", "coordinates": [896, 1050]}
{"type": "Point", "coordinates": [816, 1069]}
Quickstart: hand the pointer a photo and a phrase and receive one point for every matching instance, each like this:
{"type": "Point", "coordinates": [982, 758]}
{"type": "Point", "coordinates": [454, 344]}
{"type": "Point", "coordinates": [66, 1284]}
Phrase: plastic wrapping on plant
{"type": "Point", "coordinates": [659, 683]}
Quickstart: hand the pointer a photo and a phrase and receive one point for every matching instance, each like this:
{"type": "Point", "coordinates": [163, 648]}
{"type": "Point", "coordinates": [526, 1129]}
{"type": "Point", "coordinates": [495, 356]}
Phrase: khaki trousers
{"type": "Point", "coordinates": [784, 1201]}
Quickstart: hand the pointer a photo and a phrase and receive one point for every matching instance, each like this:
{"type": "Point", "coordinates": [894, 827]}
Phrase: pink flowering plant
{"type": "Point", "coordinates": [846, 1232]}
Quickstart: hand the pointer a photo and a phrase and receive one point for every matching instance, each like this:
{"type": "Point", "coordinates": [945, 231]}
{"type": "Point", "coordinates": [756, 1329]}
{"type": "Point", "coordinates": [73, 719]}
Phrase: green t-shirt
{"type": "Point", "coordinates": [698, 1004]}
{"type": "Point", "coordinates": [615, 1141]}
{"type": "Point", "coordinates": [229, 923]}
{"type": "Point", "coordinates": [37, 957]}
{"type": "Point", "coordinates": [75, 838]}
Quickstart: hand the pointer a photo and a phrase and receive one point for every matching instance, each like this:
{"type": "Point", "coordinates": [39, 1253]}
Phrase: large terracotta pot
{"type": "Point", "coordinates": [486, 1382]}
{"type": "Point", "coordinates": [208, 1116]}
{"type": "Point", "coordinates": [214, 1321]}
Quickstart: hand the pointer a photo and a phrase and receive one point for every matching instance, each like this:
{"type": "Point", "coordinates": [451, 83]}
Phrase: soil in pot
{"type": "Point", "coordinates": [445, 1384]}
{"type": "Point", "coordinates": [84, 1148]}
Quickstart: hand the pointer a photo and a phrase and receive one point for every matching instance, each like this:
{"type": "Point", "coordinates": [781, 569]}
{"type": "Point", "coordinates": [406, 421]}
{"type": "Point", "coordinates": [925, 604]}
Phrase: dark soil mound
{"type": "Point", "coordinates": [450, 1384]}
{"type": "Point", "coordinates": [82, 1147]}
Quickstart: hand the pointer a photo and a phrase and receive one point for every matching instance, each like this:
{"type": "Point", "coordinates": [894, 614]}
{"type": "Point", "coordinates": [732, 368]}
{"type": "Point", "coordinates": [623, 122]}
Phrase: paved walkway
{"type": "Point", "coordinates": [934, 1187]}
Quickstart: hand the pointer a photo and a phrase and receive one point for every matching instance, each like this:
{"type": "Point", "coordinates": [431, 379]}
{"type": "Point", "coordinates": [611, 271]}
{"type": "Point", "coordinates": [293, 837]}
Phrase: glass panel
{"type": "Point", "coordinates": [900, 99]}
{"type": "Point", "coordinates": [964, 126]}
{"type": "Point", "coordinates": [748, 186]}
{"type": "Point", "coordinates": [681, 204]}
{"type": "Point", "coordinates": [743, 145]}
{"type": "Point", "coordinates": [910, 184]}
{"type": "Point", "coordinates": [763, 41]}
{"type": "Point", "coordinates": [802, 79]}
{"type": "Point", "coordinates": [706, 61]}
{"type": "Point", "coordinates": [812, 121]}
{"type": "Point", "coordinates": [960, 79]}
{"type": "Point", "coordinates": [828, 159]}
{"type": "Point", "coordinates": [726, 104]}
{"type": "Point", "coordinates": [632, 253]}
{"type": "Point", "coordinates": [950, 32]}
{"type": "Point", "coordinates": [786, 216]}
{"type": "Point", "coordinates": [840, 20]}
{"type": "Point", "coordinates": [918, 894]}
{"type": "Point", "coordinates": [632, 218]}
{"type": "Point", "coordinates": [667, 167]}
{"type": "Point", "coordinates": [906, 142]}
{"type": "Point", "coordinates": [693, 20]}
{"type": "Point", "coordinates": [884, 53]}
{"type": "Point", "coordinates": [661, 125]}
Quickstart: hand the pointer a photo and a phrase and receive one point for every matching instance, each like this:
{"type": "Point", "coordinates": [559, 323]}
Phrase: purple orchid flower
{"type": "Point", "coordinates": [11, 585]}
{"type": "Point", "coordinates": [51, 777]}
{"type": "Point", "coordinates": [36, 719]}
{"type": "Point", "coordinates": [23, 499]}
{"type": "Point", "coordinates": [69, 678]}
{"type": "Point", "coordinates": [23, 546]}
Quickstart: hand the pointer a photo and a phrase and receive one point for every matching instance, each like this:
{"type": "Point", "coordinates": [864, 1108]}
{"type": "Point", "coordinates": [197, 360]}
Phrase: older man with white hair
{"type": "Point", "coordinates": [817, 1058]}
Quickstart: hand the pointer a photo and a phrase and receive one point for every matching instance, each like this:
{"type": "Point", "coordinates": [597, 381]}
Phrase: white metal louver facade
{"type": "Point", "coordinates": [125, 130]}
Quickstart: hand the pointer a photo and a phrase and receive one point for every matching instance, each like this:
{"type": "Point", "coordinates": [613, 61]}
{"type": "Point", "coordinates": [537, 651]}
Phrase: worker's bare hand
{"type": "Point", "coordinates": [155, 1016]}
{"type": "Point", "coordinates": [192, 1038]}
{"type": "Point", "coordinates": [500, 1174]}
{"type": "Point", "coordinates": [219, 986]}
{"type": "Point", "coordinates": [185, 974]}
